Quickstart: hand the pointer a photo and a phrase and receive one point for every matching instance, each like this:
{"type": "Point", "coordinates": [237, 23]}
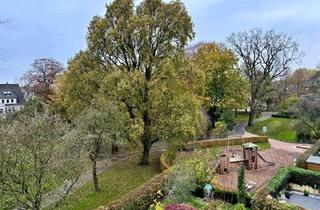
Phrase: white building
{"type": "Point", "coordinates": [11, 98]}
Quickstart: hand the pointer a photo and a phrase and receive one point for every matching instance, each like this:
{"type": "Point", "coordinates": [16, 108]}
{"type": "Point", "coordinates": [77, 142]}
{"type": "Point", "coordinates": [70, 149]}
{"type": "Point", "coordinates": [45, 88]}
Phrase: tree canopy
{"type": "Point", "coordinates": [137, 61]}
{"type": "Point", "coordinates": [265, 56]}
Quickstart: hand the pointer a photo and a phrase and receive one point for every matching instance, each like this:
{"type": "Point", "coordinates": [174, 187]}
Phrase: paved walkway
{"type": "Point", "coordinates": [307, 202]}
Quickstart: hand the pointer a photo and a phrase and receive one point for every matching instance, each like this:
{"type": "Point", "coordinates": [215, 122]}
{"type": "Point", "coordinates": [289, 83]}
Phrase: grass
{"type": "Point", "coordinates": [277, 128]}
{"type": "Point", "coordinates": [263, 146]}
{"type": "Point", "coordinates": [241, 118]}
{"type": "Point", "coordinates": [114, 183]}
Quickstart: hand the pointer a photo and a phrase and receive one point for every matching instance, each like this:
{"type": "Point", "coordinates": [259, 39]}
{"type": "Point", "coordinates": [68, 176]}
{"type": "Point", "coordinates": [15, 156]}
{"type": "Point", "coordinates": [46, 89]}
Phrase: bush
{"type": "Point", "coordinates": [286, 115]}
{"type": "Point", "coordinates": [227, 116]}
{"type": "Point", "coordinates": [180, 184]}
{"type": "Point", "coordinates": [303, 132]}
{"type": "Point", "coordinates": [285, 105]}
{"type": "Point", "coordinates": [220, 130]}
{"type": "Point", "coordinates": [240, 206]}
{"type": "Point", "coordinates": [241, 186]}
{"type": "Point", "coordinates": [305, 193]}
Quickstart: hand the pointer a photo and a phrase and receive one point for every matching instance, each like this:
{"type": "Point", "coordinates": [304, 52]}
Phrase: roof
{"type": "Point", "coordinates": [313, 159]}
{"type": "Point", "coordinates": [15, 91]}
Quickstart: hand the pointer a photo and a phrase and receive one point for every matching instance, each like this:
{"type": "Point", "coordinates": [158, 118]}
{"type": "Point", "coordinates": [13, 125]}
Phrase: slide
{"type": "Point", "coordinates": [264, 160]}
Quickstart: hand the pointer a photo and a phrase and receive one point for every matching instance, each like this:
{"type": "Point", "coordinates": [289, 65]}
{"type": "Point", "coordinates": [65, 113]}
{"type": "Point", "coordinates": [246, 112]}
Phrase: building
{"type": "Point", "coordinates": [11, 98]}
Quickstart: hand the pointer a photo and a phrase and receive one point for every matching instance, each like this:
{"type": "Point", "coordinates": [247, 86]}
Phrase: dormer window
{"type": "Point", "coordinates": [7, 93]}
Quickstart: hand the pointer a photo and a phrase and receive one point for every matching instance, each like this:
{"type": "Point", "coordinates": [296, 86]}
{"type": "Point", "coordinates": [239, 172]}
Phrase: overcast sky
{"type": "Point", "coordinates": [57, 28]}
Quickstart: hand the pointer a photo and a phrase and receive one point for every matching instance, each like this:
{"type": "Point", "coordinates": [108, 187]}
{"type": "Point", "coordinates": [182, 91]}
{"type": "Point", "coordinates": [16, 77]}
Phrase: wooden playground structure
{"type": "Point", "coordinates": [249, 158]}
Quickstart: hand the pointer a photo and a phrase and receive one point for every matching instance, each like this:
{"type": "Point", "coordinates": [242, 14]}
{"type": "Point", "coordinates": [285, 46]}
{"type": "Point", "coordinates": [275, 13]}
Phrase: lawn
{"type": "Point", "coordinates": [277, 128]}
{"type": "Point", "coordinates": [241, 118]}
{"type": "Point", "coordinates": [114, 183]}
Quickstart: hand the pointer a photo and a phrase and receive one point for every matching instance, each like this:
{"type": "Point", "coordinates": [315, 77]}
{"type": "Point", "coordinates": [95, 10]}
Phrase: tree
{"type": "Point", "coordinates": [35, 160]}
{"type": "Point", "coordinates": [79, 86]}
{"type": "Point", "coordinates": [131, 47]}
{"type": "Point", "coordinates": [41, 77]}
{"type": "Point", "coordinates": [241, 186]}
{"type": "Point", "coordinates": [217, 79]}
{"type": "Point", "coordinates": [96, 128]}
{"type": "Point", "coordinates": [308, 111]}
{"type": "Point", "coordinates": [265, 56]}
{"type": "Point", "coordinates": [300, 78]}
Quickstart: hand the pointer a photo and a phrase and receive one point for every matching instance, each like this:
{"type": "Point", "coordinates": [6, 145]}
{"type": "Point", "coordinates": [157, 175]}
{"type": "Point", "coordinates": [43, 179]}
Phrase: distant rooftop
{"type": "Point", "coordinates": [11, 91]}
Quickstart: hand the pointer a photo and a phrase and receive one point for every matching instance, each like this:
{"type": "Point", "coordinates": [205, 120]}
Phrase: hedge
{"type": "Point", "coordinates": [143, 196]}
{"type": "Point", "coordinates": [301, 160]}
{"type": "Point", "coordinates": [284, 176]}
{"type": "Point", "coordinates": [285, 115]}
{"type": "Point", "coordinates": [231, 141]}
{"type": "Point", "coordinates": [229, 196]}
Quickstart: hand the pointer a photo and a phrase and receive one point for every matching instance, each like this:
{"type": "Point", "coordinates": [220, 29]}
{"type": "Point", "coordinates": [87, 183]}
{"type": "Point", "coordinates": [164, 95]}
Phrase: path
{"type": "Point", "coordinates": [239, 129]}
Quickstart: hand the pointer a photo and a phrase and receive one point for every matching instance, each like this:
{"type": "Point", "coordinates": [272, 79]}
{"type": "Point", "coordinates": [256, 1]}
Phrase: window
{"type": "Point", "coordinates": [7, 101]}
{"type": "Point", "coordinates": [1, 111]}
{"type": "Point", "coordinates": [12, 100]}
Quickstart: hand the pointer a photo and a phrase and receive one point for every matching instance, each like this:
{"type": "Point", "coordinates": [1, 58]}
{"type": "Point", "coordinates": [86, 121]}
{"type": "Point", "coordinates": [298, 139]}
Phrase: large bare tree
{"type": "Point", "coordinates": [41, 76]}
{"type": "Point", "coordinates": [265, 56]}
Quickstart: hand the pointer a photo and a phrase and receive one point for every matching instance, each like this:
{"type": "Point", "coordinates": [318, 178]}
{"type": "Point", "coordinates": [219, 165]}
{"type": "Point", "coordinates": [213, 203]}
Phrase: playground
{"type": "Point", "coordinates": [260, 165]}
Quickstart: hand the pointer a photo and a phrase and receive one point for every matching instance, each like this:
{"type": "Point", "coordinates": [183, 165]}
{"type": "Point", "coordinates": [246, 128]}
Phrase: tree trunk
{"type": "Point", "coordinates": [145, 154]}
{"type": "Point", "coordinates": [114, 147]}
{"type": "Point", "coordinates": [94, 176]}
{"type": "Point", "coordinates": [251, 117]}
{"type": "Point", "coordinates": [235, 112]}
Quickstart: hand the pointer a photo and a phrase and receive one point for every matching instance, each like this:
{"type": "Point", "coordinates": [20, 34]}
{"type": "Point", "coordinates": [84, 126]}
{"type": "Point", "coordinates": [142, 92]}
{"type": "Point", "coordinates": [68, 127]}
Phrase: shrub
{"type": "Point", "coordinates": [227, 116]}
{"type": "Point", "coordinates": [220, 130]}
{"type": "Point", "coordinates": [308, 111]}
{"type": "Point", "coordinates": [240, 206]}
{"type": "Point", "coordinates": [180, 184]}
{"type": "Point", "coordinates": [241, 186]}
{"type": "Point", "coordinates": [200, 164]}
{"type": "Point", "coordinates": [305, 193]}
{"type": "Point", "coordinates": [303, 132]}
{"type": "Point", "coordinates": [179, 207]}
{"type": "Point", "coordinates": [285, 105]}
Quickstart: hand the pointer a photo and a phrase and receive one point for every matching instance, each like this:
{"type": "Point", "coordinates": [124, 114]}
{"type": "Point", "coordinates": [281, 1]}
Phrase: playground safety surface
{"type": "Point", "coordinates": [260, 176]}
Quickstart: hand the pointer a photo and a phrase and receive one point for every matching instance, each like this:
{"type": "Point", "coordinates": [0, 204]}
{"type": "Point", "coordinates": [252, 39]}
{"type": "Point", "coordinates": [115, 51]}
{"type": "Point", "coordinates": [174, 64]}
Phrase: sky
{"type": "Point", "coordinates": [57, 28]}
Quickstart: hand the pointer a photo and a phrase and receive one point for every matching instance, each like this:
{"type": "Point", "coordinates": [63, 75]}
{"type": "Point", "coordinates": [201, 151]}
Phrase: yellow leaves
{"type": "Point", "coordinates": [217, 76]}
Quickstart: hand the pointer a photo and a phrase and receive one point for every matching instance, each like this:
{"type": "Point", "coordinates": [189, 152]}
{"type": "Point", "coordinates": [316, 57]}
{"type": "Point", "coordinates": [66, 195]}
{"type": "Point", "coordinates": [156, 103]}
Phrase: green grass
{"type": "Point", "coordinates": [241, 118]}
{"type": "Point", "coordinates": [277, 128]}
{"type": "Point", "coordinates": [114, 183]}
{"type": "Point", "coordinates": [263, 145]}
